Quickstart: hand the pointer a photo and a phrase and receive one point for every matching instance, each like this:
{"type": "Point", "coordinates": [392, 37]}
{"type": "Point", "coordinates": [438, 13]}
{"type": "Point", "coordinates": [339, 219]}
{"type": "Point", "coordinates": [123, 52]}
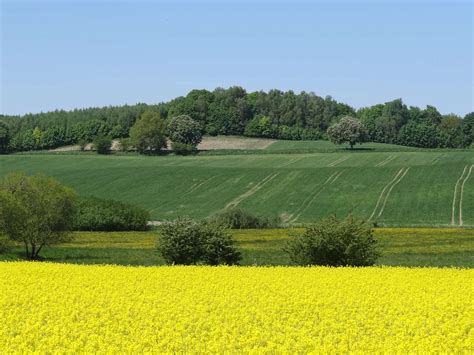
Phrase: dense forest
{"type": "Point", "coordinates": [233, 111]}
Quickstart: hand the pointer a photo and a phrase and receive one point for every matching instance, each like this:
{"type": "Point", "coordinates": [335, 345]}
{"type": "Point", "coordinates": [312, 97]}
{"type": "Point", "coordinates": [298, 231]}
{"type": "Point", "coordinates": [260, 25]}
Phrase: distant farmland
{"type": "Point", "coordinates": [392, 188]}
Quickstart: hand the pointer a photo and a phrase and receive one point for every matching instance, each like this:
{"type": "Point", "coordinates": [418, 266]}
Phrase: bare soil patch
{"type": "Point", "coordinates": [224, 142]}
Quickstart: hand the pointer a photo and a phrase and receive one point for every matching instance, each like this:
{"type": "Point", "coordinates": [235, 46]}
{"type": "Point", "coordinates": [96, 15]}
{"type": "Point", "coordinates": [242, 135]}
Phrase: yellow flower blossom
{"type": "Point", "coordinates": [48, 307]}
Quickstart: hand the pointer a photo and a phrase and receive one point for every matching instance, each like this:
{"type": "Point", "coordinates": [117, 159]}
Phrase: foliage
{"type": "Point", "coordinates": [184, 130]}
{"type": "Point", "coordinates": [4, 137]}
{"type": "Point", "coordinates": [124, 144]}
{"type": "Point", "coordinates": [330, 242]}
{"type": "Point", "coordinates": [189, 242]}
{"type": "Point", "coordinates": [148, 133]}
{"type": "Point", "coordinates": [414, 247]}
{"type": "Point", "coordinates": [183, 149]}
{"type": "Point", "coordinates": [228, 310]}
{"type": "Point", "coordinates": [36, 211]}
{"type": "Point", "coordinates": [232, 111]}
{"type": "Point", "coordinates": [349, 130]}
{"type": "Point", "coordinates": [102, 144]}
{"type": "Point", "coordinates": [95, 214]}
{"type": "Point", "coordinates": [419, 135]}
{"type": "Point", "coordinates": [261, 126]}
{"type": "Point", "coordinates": [82, 145]}
{"type": "Point", "coordinates": [5, 244]}
{"type": "Point", "coordinates": [238, 218]}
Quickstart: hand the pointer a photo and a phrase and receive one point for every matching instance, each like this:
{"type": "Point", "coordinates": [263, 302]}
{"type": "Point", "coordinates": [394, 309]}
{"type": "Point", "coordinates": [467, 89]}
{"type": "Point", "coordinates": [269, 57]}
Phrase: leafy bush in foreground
{"type": "Point", "coordinates": [334, 243]}
{"type": "Point", "coordinates": [95, 214]}
{"type": "Point", "coordinates": [189, 242]}
{"type": "Point", "coordinates": [238, 218]}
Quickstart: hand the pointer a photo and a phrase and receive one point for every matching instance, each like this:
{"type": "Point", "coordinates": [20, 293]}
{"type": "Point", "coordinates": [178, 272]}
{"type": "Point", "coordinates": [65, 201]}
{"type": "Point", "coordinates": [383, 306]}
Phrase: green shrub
{"type": "Point", "coordinates": [95, 214]}
{"type": "Point", "coordinates": [212, 130]}
{"type": "Point", "coordinates": [102, 144]}
{"type": "Point", "coordinates": [183, 129]}
{"type": "Point", "coordinates": [124, 144]}
{"type": "Point", "coordinates": [238, 218]}
{"type": "Point", "coordinates": [82, 145]}
{"type": "Point", "coordinates": [183, 149]}
{"type": "Point", "coordinates": [5, 244]}
{"type": "Point", "coordinates": [334, 243]}
{"type": "Point", "coordinates": [189, 242]}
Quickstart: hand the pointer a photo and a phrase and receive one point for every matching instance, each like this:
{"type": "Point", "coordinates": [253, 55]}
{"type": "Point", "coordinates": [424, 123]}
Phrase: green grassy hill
{"type": "Point", "coordinates": [394, 188]}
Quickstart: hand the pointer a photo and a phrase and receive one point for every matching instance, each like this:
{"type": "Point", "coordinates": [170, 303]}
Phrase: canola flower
{"type": "Point", "coordinates": [75, 308]}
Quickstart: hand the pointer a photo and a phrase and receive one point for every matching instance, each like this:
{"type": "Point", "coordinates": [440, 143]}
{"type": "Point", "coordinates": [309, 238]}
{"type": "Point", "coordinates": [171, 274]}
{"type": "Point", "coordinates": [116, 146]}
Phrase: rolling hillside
{"type": "Point", "coordinates": [392, 188]}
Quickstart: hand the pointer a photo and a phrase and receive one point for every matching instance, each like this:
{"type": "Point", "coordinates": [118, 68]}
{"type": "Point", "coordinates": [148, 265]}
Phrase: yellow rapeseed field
{"type": "Point", "coordinates": [72, 308]}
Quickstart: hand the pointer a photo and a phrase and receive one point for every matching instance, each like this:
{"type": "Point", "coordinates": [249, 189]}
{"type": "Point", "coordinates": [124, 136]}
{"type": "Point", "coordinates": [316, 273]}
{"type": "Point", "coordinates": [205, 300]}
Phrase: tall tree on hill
{"type": "Point", "coordinates": [148, 133]}
{"type": "Point", "coordinates": [394, 115]}
{"type": "Point", "coordinates": [183, 129]}
{"type": "Point", "coordinates": [468, 129]}
{"type": "Point", "coordinates": [4, 137]}
{"type": "Point", "coordinates": [347, 130]}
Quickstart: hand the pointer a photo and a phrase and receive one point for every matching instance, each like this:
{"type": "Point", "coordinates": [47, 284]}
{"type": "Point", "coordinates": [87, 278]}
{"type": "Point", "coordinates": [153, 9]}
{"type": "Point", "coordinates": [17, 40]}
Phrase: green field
{"type": "Point", "coordinates": [400, 247]}
{"type": "Point", "coordinates": [300, 187]}
{"type": "Point", "coordinates": [326, 146]}
{"type": "Point", "coordinates": [395, 188]}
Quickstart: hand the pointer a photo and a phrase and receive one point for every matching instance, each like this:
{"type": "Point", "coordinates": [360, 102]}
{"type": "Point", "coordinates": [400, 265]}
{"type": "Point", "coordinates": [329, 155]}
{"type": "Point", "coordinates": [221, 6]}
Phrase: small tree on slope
{"type": "Point", "coordinates": [36, 211]}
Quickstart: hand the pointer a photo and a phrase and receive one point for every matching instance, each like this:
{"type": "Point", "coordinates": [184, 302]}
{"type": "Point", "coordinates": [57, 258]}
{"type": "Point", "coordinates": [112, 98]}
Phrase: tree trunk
{"type": "Point", "coordinates": [38, 251]}
{"type": "Point", "coordinates": [33, 252]}
{"type": "Point", "coordinates": [26, 250]}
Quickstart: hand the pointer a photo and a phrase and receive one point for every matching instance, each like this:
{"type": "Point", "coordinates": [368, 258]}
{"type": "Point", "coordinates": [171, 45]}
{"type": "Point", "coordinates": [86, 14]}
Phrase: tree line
{"type": "Point", "coordinates": [233, 111]}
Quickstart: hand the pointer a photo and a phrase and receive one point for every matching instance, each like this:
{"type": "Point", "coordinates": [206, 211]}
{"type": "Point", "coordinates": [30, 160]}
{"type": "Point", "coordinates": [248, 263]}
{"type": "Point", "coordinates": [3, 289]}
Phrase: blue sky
{"type": "Point", "coordinates": [67, 54]}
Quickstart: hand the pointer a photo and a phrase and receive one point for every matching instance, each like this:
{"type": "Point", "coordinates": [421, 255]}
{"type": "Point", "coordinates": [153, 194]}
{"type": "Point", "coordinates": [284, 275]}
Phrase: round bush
{"type": "Point", "coordinates": [330, 242]}
{"type": "Point", "coordinates": [183, 129]}
{"type": "Point", "coordinates": [189, 242]}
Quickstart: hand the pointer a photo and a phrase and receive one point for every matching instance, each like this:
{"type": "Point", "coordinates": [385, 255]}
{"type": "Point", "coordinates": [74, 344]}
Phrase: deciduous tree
{"type": "Point", "coordinates": [148, 133]}
{"type": "Point", "coordinates": [347, 130]}
{"type": "Point", "coordinates": [36, 211]}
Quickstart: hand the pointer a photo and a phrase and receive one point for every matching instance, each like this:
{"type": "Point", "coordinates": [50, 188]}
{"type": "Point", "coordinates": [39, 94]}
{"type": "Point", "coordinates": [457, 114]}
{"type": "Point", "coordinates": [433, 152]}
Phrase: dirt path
{"type": "Point", "coordinates": [461, 194]}
{"type": "Point", "coordinates": [252, 191]}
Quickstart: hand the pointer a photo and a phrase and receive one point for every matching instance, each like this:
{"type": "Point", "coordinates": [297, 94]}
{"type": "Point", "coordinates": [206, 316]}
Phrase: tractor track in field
{"type": "Point", "coordinates": [435, 160]}
{"type": "Point", "coordinates": [235, 202]}
{"type": "Point", "coordinates": [310, 199]}
{"type": "Point", "coordinates": [390, 190]}
{"type": "Point", "coordinates": [196, 186]}
{"type": "Point", "coordinates": [338, 161]}
{"type": "Point", "coordinates": [292, 161]}
{"type": "Point", "coordinates": [455, 195]}
{"type": "Point", "coordinates": [461, 194]}
{"type": "Point", "coordinates": [386, 192]}
{"type": "Point", "coordinates": [386, 160]}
